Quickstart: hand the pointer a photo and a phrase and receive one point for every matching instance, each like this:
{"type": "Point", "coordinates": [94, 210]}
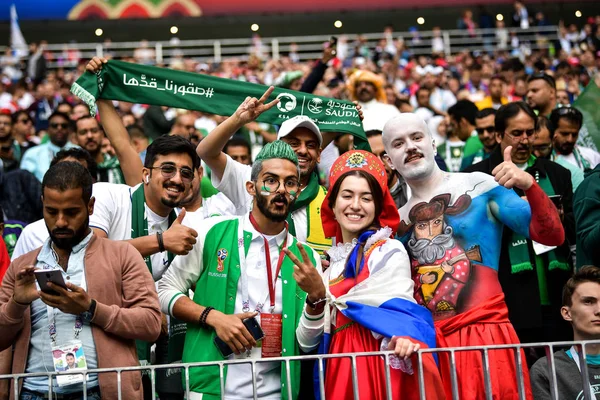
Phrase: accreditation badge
{"type": "Point", "coordinates": [68, 357]}
{"type": "Point", "coordinates": [271, 326]}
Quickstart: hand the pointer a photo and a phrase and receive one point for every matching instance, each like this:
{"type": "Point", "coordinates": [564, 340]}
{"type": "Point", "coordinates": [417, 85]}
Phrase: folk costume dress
{"type": "Point", "coordinates": [370, 300]}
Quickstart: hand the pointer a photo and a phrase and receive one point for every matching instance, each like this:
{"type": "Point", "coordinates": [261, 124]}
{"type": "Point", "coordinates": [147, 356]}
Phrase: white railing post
{"type": "Point", "coordinates": [99, 50]}
{"type": "Point", "coordinates": [159, 53]}
{"type": "Point", "coordinates": [446, 37]}
{"type": "Point", "coordinates": [275, 49]}
{"type": "Point", "coordinates": [217, 51]}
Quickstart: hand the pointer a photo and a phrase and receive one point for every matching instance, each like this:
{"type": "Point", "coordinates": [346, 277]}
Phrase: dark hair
{"type": "Point", "coordinates": [373, 186]}
{"type": "Point", "coordinates": [237, 141]}
{"type": "Point", "coordinates": [476, 67]}
{"type": "Point", "coordinates": [420, 89]}
{"type": "Point", "coordinates": [59, 114]}
{"type": "Point", "coordinates": [70, 354]}
{"type": "Point", "coordinates": [166, 145]}
{"type": "Point", "coordinates": [589, 273]}
{"type": "Point", "coordinates": [136, 131]}
{"type": "Point", "coordinates": [464, 109]}
{"type": "Point", "coordinates": [15, 116]}
{"type": "Point", "coordinates": [544, 122]}
{"type": "Point", "coordinates": [373, 132]}
{"type": "Point", "coordinates": [486, 112]}
{"type": "Point", "coordinates": [544, 77]}
{"type": "Point", "coordinates": [509, 111]}
{"type": "Point", "coordinates": [571, 114]}
{"type": "Point", "coordinates": [79, 154]}
{"type": "Point", "coordinates": [68, 175]}
{"type": "Point", "coordinates": [83, 117]}
{"type": "Point", "coordinates": [65, 103]}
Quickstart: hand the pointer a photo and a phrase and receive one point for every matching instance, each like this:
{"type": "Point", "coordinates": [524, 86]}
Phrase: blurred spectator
{"type": "Point", "coordinates": [36, 65]}
{"type": "Point", "coordinates": [462, 122]}
{"type": "Point", "coordinates": [567, 122]}
{"type": "Point", "coordinates": [44, 106]}
{"type": "Point", "coordinates": [157, 121]}
{"type": "Point", "coordinates": [185, 126]}
{"type": "Point", "coordinates": [144, 54]}
{"type": "Point", "coordinates": [79, 111]}
{"type": "Point", "coordinates": [37, 160]}
{"type": "Point", "coordinates": [496, 97]}
{"type": "Point", "coordinates": [486, 134]}
{"type": "Point", "coordinates": [562, 98]}
{"type": "Point", "coordinates": [239, 150]}
{"type": "Point", "coordinates": [466, 23]}
{"type": "Point", "coordinates": [520, 16]}
{"type": "Point", "coordinates": [367, 88]}
{"type": "Point", "coordinates": [423, 109]}
{"type": "Point", "coordinates": [437, 42]}
{"type": "Point", "coordinates": [8, 146]}
{"type": "Point", "coordinates": [20, 196]}
{"type": "Point", "coordinates": [541, 93]}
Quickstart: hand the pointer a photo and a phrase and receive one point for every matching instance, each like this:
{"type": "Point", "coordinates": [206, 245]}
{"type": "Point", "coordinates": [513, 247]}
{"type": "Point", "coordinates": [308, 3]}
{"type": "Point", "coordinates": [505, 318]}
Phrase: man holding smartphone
{"type": "Point", "coordinates": [107, 302]}
{"type": "Point", "coordinates": [532, 275]}
{"type": "Point", "coordinates": [245, 286]}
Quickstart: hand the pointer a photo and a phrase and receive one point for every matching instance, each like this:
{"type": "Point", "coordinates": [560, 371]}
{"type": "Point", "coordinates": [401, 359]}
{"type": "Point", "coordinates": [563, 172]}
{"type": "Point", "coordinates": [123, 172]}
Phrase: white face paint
{"type": "Point", "coordinates": [409, 146]}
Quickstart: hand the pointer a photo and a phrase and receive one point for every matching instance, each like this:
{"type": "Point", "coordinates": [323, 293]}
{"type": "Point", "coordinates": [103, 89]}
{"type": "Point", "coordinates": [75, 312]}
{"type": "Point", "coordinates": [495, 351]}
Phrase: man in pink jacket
{"type": "Point", "coordinates": [108, 301]}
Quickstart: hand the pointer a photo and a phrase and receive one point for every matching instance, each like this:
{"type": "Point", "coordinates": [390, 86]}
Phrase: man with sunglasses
{"type": "Point", "coordinates": [37, 160]}
{"type": "Point", "coordinates": [531, 275]}
{"type": "Point", "coordinates": [23, 133]}
{"type": "Point", "coordinates": [242, 275]}
{"type": "Point", "coordinates": [567, 122]}
{"type": "Point", "coordinates": [486, 133]}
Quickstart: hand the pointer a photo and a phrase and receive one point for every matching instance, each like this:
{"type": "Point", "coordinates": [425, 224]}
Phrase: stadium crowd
{"type": "Point", "coordinates": [473, 219]}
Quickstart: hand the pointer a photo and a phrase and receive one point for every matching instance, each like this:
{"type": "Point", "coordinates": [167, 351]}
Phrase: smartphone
{"type": "Point", "coordinates": [556, 199]}
{"type": "Point", "coordinates": [44, 276]}
{"type": "Point", "coordinates": [253, 327]}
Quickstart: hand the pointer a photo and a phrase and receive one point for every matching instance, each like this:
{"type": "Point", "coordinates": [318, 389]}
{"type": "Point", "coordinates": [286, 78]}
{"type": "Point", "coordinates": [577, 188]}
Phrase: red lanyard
{"type": "Point", "coordinates": [268, 260]}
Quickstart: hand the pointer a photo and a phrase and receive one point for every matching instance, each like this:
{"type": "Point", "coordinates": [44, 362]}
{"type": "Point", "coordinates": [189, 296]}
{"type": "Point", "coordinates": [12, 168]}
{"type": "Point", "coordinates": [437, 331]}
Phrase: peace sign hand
{"type": "Point", "coordinates": [509, 175]}
{"type": "Point", "coordinates": [306, 275]}
{"type": "Point", "coordinates": [252, 107]}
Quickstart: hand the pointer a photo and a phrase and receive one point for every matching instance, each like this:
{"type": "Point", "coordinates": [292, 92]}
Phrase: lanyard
{"type": "Point", "coordinates": [270, 280]}
{"type": "Point", "coordinates": [78, 327]}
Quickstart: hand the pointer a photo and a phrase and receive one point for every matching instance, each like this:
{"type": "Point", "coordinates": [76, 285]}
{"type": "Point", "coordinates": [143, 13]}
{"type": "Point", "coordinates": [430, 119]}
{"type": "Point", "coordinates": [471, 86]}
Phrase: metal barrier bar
{"type": "Point", "coordinates": [286, 363]}
{"type": "Point", "coordinates": [487, 381]}
{"type": "Point", "coordinates": [453, 376]}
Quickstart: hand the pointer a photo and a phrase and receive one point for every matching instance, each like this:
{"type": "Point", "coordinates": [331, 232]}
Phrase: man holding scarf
{"type": "Point", "coordinates": [230, 177]}
{"type": "Point", "coordinates": [532, 276]}
{"type": "Point", "coordinates": [227, 267]}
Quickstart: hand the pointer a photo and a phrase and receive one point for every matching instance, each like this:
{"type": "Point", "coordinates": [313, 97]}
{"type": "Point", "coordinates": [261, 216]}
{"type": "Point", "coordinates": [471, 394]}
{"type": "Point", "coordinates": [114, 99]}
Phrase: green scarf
{"type": "Point", "coordinates": [518, 250]}
{"type": "Point", "coordinates": [118, 80]}
{"type": "Point", "coordinates": [113, 168]}
{"type": "Point", "coordinates": [139, 228]}
{"type": "Point", "coordinates": [307, 195]}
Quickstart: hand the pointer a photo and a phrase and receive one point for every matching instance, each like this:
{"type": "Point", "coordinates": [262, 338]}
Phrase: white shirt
{"type": "Point", "coordinates": [233, 185]}
{"type": "Point", "coordinates": [32, 237]}
{"type": "Point", "coordinates": [185, 271]}
{"type": "Point", "coordinates": [590, 155]}
{"type": "Point", "coordinates": [377, 114]}
{"type": "Point", "coordinates": [112, 214]}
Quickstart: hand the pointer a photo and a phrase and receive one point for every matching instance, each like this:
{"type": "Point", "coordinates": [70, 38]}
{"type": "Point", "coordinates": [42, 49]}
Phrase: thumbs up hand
{"type": "Point", "coordinates": [509, 175]}
{"type": "Point", "coordinates": [179, 239]}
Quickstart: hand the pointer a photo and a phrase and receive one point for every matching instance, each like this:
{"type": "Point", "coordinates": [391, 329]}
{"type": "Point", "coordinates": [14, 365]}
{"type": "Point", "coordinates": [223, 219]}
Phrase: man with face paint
{"type": "Point", "coordinates": [456, 248]}
{"type": "Point", "coordinates": [229, 176]}
{"type": "Point", "coordinates": [227, 267]}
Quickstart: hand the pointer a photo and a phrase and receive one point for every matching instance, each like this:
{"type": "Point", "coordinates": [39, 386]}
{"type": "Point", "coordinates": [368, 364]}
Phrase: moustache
{"type": "Point", "coordinates": [174, 185]}
{"type": "Point", "coordinates": [280, 198]}
{"type": "Point", "coordinates": [63, 232]}
{"type": "Point", "coordinates": [412, 154]}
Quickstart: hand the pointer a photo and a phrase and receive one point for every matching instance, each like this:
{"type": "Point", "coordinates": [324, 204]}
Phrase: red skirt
{"type": "Point", "coordinates": [486, 324]}
{"type": "Point", "coordinates": [370, 371]}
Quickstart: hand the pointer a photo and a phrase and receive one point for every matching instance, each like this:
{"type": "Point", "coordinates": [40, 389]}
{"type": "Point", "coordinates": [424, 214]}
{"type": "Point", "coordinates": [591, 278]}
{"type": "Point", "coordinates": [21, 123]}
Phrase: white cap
{"type": "Point", "coordinates": [300, 121]}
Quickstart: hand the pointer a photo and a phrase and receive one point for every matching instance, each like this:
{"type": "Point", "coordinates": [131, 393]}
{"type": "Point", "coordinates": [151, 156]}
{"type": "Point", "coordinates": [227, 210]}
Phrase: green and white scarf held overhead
{"type": "Point", "coordinates": [118, 80]}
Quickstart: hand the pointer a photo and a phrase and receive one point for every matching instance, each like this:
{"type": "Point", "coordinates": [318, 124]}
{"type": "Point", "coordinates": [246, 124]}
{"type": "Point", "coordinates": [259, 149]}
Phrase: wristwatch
{"type": "Point", "coordinates": [314, 304]}
{"type": "Point", "coordinates": [89, 314]}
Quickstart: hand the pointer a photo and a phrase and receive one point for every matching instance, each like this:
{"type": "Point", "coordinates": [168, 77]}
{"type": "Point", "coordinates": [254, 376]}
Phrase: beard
{"type": "Point", "coordinates": [67, 243]}
{"type": "Point", "coordinates": [271, 211]}
{"type": "Point", "coordinates": [427, 251]}
{"type": "Point", "coordinates": [565, 149]}
{"type": "Point", "coordinates": [174, 203]}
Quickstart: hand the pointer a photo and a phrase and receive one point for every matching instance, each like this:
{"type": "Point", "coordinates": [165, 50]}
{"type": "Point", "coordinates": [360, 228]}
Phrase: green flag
{"type": "Point", "coordinates": [118, 80]}
{"type": "Point", "coordinates": [589, 105]}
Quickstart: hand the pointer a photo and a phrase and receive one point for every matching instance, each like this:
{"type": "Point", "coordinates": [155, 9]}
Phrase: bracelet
{"type": "Point", "coordinates": [161, 244]}
{"type": "Point", "coordinates": [314, 305]}
{"type": "Point", "coordinates": [204, 316]}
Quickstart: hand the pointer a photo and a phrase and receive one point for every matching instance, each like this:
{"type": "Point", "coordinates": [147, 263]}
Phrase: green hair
{"type": "Point", "coordinates": [276, 149]}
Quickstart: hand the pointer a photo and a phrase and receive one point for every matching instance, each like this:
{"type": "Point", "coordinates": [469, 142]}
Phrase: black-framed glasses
{"type": "Point", "coordinates": [55, 125]}
{"type": "Point", "coordinates": [518, 133]}
{"type": "Point", "coordinates": [481, 131]}
{"type": "Point", "coordinates": [24, 121]}
{"type": "Point", "coordinates": [169, 171]}
{"type": "Point", "coordinates": [271, 185]}
{"type": "Point", "coordinates": [542, 147]}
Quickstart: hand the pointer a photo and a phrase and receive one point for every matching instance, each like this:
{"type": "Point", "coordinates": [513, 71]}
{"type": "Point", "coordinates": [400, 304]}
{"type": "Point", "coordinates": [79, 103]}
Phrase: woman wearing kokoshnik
{"type": "Point", "coordinates": [365, 297]}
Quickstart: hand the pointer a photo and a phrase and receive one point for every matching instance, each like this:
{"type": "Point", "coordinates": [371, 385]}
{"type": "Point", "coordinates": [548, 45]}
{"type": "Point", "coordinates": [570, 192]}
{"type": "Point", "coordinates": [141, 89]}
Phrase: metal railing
{"type": "Point", "coordinates": [320, 359]}
{"type": "Point", "coordinates": [308, 47]}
